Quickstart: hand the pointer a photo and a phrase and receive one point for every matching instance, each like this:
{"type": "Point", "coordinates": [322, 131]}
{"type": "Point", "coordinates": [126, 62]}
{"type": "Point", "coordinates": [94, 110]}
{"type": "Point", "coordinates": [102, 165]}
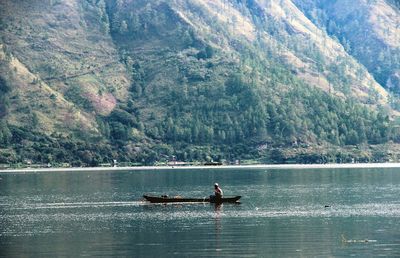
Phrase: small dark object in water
{"type": "Point", "coordinates": [327, 206]}
{"type": "Point", "coordinates": [344, 240]}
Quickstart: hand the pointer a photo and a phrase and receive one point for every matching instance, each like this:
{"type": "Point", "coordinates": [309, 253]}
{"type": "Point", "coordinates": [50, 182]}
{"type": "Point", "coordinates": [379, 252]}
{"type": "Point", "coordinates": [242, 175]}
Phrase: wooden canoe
{"type": "Point", "coordinates": [165, 199]}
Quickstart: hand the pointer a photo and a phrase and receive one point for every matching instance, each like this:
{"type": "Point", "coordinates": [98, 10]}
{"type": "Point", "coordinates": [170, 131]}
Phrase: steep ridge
{"type": "Point", "coordinates": [369, 31]}
{"type": "Point", "coordinates": [324, 61]}
{"type": "Point", "coordinates": [66, 48]}
{"type": "Point", "coordinates": [34, 102]}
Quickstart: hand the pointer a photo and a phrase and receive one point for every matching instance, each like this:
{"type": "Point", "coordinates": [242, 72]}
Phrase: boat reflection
{"type": "Point", "coordinates": [218, 225]}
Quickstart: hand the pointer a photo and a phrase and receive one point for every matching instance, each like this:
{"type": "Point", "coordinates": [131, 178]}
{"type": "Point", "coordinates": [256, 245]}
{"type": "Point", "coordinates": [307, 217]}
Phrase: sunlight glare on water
{"type": "Point", "coordinates": [319, 212]}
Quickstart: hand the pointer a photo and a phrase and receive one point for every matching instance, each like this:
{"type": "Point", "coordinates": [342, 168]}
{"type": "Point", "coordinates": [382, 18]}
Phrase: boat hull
{"type": "Point", "coordinates": [156, 199]}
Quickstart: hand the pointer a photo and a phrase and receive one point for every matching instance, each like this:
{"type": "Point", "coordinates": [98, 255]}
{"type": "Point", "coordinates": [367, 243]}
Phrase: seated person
{"type": "Point", "coordinates": [217, 191]}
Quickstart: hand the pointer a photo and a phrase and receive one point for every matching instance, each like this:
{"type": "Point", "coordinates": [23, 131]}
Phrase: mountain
{"type": "Point", "coordinates": [86, 82]}
{"type": "Point", "coordinates": [369, 31]}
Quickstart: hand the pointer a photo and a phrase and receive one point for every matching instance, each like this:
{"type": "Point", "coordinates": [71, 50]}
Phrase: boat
{"type": "Point", "coordinates": [178, 199]}
{"type": "Point", "coordinates": [213, 163]}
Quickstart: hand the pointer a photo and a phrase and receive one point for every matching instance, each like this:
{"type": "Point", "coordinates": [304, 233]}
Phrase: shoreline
{"type": "Point", "coordinates": [260, 166]}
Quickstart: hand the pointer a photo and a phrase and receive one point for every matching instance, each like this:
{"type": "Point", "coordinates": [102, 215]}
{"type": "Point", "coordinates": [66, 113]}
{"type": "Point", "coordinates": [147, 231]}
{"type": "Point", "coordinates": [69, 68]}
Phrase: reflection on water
{"type": "Point", "coordinates": [283, 213]}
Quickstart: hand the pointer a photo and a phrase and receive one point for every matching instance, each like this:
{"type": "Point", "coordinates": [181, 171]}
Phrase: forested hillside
{"type": "Point", "coordinates": [368, 30]}
{"type": "Point", "coordinates": [86, 82]}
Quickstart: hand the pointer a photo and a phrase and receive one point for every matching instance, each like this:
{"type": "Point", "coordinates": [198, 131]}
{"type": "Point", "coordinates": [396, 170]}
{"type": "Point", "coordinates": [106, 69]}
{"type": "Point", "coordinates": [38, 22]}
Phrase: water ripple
{"type": "Point", "coordinates": [72, 205]}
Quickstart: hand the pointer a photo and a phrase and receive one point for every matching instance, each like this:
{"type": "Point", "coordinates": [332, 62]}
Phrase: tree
{"type": "Point", "coordinates": [123, 27]}
{"type": "Point", "coordinates": [209, 51]}
{"type": "Point", "coordinates": [135, 23]}
{"type": "Point", "coordinates": [35, 120]}
{"type": "Point", "coordinates": [5, 133]}
{"type": "Point", "coordinates": [4, 85]}
{"type": "Point", "coordinates": [102, 13]}
{"type": "Point", "coordinates": [118, 131]}
{"type": "Point", "coordinates": [352, 138]}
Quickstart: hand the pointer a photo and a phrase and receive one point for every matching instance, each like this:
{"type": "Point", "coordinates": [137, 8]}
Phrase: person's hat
{"type": "Point", "coordinates": [216, 184]}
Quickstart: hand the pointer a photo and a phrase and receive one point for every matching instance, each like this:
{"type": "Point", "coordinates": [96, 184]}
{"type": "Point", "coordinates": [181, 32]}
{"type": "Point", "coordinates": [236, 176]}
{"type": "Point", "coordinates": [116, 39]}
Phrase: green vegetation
{"type": "Point", "coordinates": [381, 58]}
{"type": "Point", "coordinates": [148, 80]}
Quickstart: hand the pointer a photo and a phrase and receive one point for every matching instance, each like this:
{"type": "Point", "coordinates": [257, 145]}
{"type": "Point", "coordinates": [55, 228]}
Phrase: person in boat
{"type": "Point", "coordinates": [217, 191]}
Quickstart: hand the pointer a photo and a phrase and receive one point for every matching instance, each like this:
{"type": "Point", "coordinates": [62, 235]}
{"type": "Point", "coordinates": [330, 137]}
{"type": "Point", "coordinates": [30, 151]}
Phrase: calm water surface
{"type": "Point", "coordinates": [284, 213]}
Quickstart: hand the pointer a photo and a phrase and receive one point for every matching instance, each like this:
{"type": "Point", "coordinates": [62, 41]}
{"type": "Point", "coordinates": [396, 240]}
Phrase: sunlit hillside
{"type": "Point", "coordinates": [86, 82]}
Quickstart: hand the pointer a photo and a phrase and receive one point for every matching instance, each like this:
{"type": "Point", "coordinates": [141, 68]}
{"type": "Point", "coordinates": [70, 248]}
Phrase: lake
{"type": "Point", "coordinates": [283, 213]}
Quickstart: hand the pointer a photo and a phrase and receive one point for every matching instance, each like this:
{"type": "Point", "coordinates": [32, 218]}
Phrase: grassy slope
{"type": "Point", "coordinates": [61, 44]}
{"type": "Point", "coordinates": [33, 97]}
